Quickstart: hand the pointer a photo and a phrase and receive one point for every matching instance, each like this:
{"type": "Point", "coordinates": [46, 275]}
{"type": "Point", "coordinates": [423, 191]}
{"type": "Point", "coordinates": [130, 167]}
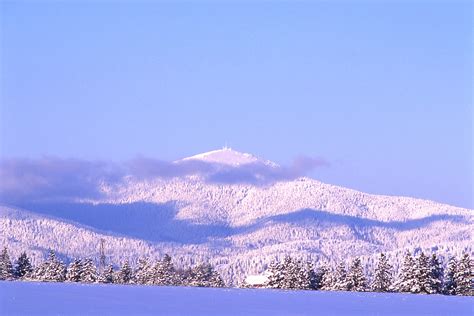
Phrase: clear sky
{"type": "Point", "coordinates": [381, 91]}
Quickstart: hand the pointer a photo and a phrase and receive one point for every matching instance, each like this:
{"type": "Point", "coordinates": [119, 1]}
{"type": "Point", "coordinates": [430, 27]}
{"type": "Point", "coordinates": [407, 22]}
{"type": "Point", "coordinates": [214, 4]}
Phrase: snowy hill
{"type": "Point", "coordinates": [241, 226]}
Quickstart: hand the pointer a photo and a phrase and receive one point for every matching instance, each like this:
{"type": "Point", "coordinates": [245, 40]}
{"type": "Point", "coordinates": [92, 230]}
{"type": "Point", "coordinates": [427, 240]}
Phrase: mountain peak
{"type": "Point", "coordinates": [229, 156]}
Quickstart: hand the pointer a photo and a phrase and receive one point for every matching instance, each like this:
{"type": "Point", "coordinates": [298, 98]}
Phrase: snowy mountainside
{"type": "Point", "coordinates": [240, 227]}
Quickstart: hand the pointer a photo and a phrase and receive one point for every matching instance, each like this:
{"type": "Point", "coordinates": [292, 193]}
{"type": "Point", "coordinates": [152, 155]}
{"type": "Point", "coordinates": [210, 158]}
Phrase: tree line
{"type": "Point", "coordinates": [162, 272]}
{"type": "Point", "coordinates": [421, 274]}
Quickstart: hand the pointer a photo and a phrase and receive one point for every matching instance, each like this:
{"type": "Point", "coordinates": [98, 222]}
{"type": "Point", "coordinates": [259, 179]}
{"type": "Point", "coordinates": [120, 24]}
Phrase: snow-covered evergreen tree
{"type": "Point", "coordinates": [276, 275]}
{"type": "Point", "coordinates": [436, 274]}
{"type": "Point", "coordinates": [51, 270]}
{"type": "Point", "coordinates": [423, 279]}
{"type": "Point", "coordinates": [382, 281]}
{"type": "Point", "coordinates": [74, 270]}
{"type": "Point", "coordinates": [450, 277]}
{"type": "Point", "coordinates": [356, 280]}
{"type": "Point", "coordinates": [320, 273]}
{"type": "Point", "coordinates": [340, 278]}
{"type": "Point", "coordinates": [6, 267]}
{"type": "Point", "coordinates": [327, 278]}
{"type": "Point", "coordinates": [204, 275]}
{"type": "Point", "coordinates": [23, 266]}
{"type": "Point", "coordinates": [143, 273]}
{"type": "Point", "coordinates": [107, 275]}
{"type": "Point", "coordinates": [125, 275]}
{"type": "Point", "coordinates": [292, 275]}
{"type": "Point", "coordinates": [406, 279]}
{"type": "Point", "coordinates": [465, 276]}
{"type": "Point", "coordinates": [310, 277]}
{"type": "Point", "coordinates": [89, 271]}
{"type": "Point", "coordinates": [164, 272]}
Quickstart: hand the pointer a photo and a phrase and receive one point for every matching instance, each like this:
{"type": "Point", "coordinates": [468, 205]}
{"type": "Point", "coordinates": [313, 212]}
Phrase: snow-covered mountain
{"type": "Point", "coordinates": [240, 226]}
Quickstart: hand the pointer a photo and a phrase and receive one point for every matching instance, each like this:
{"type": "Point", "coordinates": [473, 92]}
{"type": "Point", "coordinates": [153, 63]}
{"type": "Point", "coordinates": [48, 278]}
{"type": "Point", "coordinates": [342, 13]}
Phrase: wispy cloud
{"type": "Point", "coordinates": [52, 178]}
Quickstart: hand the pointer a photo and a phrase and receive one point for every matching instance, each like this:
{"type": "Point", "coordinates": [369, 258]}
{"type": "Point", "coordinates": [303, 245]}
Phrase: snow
{"type": "Point", "coordinates": [31, 298]}
{"type": "Point", "coordinates": [256, 279]}
{"type": "Point", "coordinates": [238, 228]}
{"type": "Point", "coordinates": [229, 156]}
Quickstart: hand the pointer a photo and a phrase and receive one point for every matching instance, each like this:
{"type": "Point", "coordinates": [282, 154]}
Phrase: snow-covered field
{"type": "Point", "coordinates": [31, 298]}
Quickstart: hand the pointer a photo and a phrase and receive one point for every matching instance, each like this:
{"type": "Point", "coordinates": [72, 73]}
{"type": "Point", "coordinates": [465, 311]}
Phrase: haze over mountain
{"type": "Point", "coordinates": [231, 208]}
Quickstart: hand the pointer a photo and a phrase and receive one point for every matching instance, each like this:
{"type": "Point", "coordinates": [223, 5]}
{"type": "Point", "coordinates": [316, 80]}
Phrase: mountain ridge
{"type": "Point", "coordinates": [240, 227]}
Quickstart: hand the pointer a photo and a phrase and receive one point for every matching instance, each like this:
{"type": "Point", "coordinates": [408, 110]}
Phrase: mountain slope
{"type": "Point", "coordinates": [240, 227]}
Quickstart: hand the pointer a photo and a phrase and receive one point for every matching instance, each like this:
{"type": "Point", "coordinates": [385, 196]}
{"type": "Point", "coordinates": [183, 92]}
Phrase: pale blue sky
{"type": "Point", "coordinates": [381, 91]}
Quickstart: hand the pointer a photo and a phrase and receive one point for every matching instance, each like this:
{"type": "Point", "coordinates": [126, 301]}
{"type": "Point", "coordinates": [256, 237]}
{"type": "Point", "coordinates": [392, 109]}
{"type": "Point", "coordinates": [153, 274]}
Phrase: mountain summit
{"type": "Point", "coordinates": [228, 156]}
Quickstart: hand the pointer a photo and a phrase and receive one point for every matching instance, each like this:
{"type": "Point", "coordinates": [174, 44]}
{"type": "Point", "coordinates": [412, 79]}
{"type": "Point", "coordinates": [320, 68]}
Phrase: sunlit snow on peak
{"type": "Point", "coordinates": [228, 156]}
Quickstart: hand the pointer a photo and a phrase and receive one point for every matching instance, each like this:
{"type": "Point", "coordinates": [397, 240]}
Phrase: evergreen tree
{"type": "Point", "coordinates": [464, 276]}
{"type": "Point", "coordinates": [340, 278]}
{"type": "Point", "coordinates": [383, 275]}
{"type": "Point", "coordinates": [291, 274]}
{"type": "Point", "coordinates": [107, 275]}
{"type": "Point", "coordinates": [406, 279]}
{"type": "Point", "coordinates": [320, 277]}
{"type": "Point", "coordinates": [423, 279]}
{"type": "Point", "coordinates": [310, 277]}
{"type": "Point", "coordinates": [275, 275]}
{"type": "Point", "coordinates": [23, 266]}
{"type": "Point", "coordinates": [6, 267]}
{"type": "Point", "coordinates": [204, 275]}
{"type": "Point", "coordinates": [328, 279]}
{"type": "Point", "coordinates": [125, 274]}
{"type": "Point", "coordinates": [164, 272]}
{"type": "Point", "coordinates": [143, 273]}
{"type": "Point", "coordinates": [436, 274]}
{"type": "Point", "coordinates": [356, 280]}
{"type": "Point", "coordinates": [74, 270]}
{"type": "Point", "coordinates": [51, 270]}
{"type": "Point", "coordinates": [186, 276]}
{"type": "Point", "coordinates": [89, 271]}
{"type": "Point", "coordinates": [450, 278]}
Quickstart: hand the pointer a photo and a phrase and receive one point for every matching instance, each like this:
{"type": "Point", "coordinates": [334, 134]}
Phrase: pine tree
{"type": "Point", "coordinates": [23, 266]}
{"type": "Point", "coordinates": [464, 276]}
{"type": "Point", "coordinates": [450, 278]}
{"type": "Point", "coordinates": [423, 280]}
{"type": "Point", "coordinates": [89, 271]}
{"type": "Point", "coordinates": [204, 275]}
{"type": "Point", "coordinates": [52, 270]}
{"type": "Point", "coordinates": [6, 267]}
{"type": "Point", "coordinates": [320, 277]}
{"type": "Point", "coordinates": [164, 272]}
{"type": "Point", "coordinates": [383, 275]}
{"type": "Point", "coordinates": [125, 274]}
{"type": "Point", "coordinates": [275, 275]}
{"type": "Point", "coordinates": [74, 270]}
{"type": "Point", "coordinates": [107, 275]}
{"type": "Point", "coordinates": [327, 279]}
{"type": "Point", "coordinates": [310, 277]}
{"type": "Point", "coordinates": [406, 279]}
{"type": "Point", "coordinates": [216, 280]}
{"type": "Point", "coordinates": [436, 274]}
{"type": "Point", "coordinates": [143, 273]}
{"type": "Point", "coordinates": [186, 276]}
{"type": "Point", "coordinates": [340, 278]}
{"type": "Point", "coordinates": [291, 272]}
{"type": "Point", "coordinates": [356, 280]}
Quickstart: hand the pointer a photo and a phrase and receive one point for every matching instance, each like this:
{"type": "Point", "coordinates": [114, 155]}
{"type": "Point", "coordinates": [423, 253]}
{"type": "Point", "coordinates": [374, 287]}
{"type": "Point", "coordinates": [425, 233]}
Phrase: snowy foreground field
{"type": "Point", "coordinates": [31, 298]}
